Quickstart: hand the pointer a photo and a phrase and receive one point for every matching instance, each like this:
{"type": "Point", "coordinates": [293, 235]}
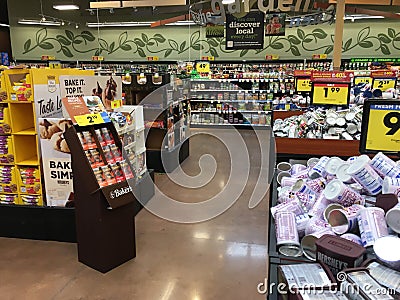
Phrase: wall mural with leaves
{"type": "Point", "coordinates": [359, 40]}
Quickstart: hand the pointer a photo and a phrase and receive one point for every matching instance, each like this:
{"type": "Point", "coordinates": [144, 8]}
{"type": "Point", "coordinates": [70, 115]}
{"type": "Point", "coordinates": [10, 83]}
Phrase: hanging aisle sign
{"type": "Point", "coordinates": [246, 32]}
{"type": "Point", "coordinates": [380, 126]}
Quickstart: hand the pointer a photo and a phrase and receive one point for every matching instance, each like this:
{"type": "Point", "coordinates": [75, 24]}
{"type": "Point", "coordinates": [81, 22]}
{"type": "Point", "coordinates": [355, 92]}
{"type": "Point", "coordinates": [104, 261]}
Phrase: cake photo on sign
{"type": "Point", "coordinates": [107, 94]}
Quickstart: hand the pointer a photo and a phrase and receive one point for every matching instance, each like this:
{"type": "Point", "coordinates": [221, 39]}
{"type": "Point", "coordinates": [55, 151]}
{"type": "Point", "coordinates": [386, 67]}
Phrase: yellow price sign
{"type": "Point", "coordinates": [203, 67]}
{"type": "Point", "coordinates": [362, 79]}
{"type": "Point", "coordinates": [303, 85]}
{"type": "Point", "coordinates": [384, 83]}
{"type": "Point", "coordinates": [116, 103]}
{"type": "Point", "coordinates": [89, 119]}
{"type": "Point", "coordinates": [330, 93]}
{"type": "Point", "coordinates": [383, 133]}
{"type": "Point", "coordinates": [55, 65]}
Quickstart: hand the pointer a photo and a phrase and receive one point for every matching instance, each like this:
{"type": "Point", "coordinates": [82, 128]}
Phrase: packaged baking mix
{"type": "Point", "coordinates": [107, 136]}
{"type": "Point", "coordinates": [89, 139]}
{"type": "Point", "coordinates": [108, 154]}
{"type": "Point", "coordinates": [116, 153]}
{"type": "Point", "coordinates": [96, 157]}
{"type": "Point", "coordinates": [100, 137]}
{"type": "Point", "coordinates": [118, 173]}
{"type": "Point", "coordinates": [109, 175]}
{"type": "Point", "coordinates": [101, 179]}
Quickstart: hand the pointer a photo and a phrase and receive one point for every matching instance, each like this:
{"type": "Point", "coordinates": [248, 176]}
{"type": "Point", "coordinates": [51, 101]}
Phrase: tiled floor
{"type": "Point", "coordinates": [222, 258]}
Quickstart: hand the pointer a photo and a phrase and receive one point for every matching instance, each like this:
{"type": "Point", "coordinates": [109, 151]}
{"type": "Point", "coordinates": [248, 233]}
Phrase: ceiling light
{"type": "Point", "coordinates": [105, 4]}
{"type": "Point", "coordinates": [181, 23]}
{"type": "Point", "coordinates": [4, 25]}
{"type": "Point", "coordinates": [119, 24]}
{"type": "Point", "coordinates": [38, 22]}
{"type": "Point", "coordinates": [65, 6]}
{"type": "Point", "coordinates": [228, 1]}
{"type": "Point", "coordinates": [77, 26]}
{"type": "Point", "coordinates": [360, 17]}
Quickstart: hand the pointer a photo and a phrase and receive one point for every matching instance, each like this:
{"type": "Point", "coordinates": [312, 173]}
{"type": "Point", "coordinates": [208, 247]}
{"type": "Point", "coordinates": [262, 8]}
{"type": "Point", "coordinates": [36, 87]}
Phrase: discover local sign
{"type": "Point", "coordinates": [246, 32]}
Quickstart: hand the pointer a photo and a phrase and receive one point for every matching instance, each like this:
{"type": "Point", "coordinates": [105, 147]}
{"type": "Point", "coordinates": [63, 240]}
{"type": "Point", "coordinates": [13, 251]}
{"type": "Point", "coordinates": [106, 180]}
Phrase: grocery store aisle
{"type": "Point", "coordinates": [222, 258]}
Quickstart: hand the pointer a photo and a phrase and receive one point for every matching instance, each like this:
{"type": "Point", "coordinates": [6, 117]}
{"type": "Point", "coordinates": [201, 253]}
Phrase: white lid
{"type": "Point", "coordinates": [331, 121]}
{"type": "Point", "coordinates": [393, 219]}
{"type": "Point", "coordinates": [333, 189]}
{"type": "Point", "coordinates": [341, 121]}
{"type": "Point", "coordinates": [341, 173]}
{"type": "Point", "coordinates": [358, 164]}
{"type": "Point", "coordinates": [332, 164]}
{"type": "Point", "coordinates": [350, 116]}
{"type": "Point", "coordinates": [387, 248]}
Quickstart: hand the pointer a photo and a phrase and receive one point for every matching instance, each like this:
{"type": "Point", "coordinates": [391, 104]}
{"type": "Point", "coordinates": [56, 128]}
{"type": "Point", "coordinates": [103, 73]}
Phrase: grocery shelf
{"type": "Point", "coordinates": [33, 161]}
{"type": "Point", "coordinates": [30, 131]}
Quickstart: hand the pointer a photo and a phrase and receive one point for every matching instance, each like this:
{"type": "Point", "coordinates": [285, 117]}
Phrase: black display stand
{"type": "Point", "coordinates": [104, 216]}
{"type": "Point", "coordinates": [170, 107]}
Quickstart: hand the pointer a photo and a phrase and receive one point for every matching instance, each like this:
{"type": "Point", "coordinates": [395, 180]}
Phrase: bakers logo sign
{"type": "Point", "coordinates": [120, 192]}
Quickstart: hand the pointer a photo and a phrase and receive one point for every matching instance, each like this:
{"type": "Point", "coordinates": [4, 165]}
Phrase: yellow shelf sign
{"type": "Point", "coordinates": [153, 58]}
{"type": "Point", "coordinates": [116, 103]}
{"type": "Point", "coordinates": [97, 58]}
{"type": "Point", "coordinates": [303, 85]}
{"type": "Point", "coordinates": [362, 79]}
{"type": "Point", "coordinates": [55, 65]}
{"type": "Point", "coordinates": [89, 119]}
{"type": "Point", "coordinates": [383, 132]}
{"type": "Point", "coordinates": [203, 67]}
{"type": "Point", "coordinates": [384, 83]}
{"type": "Point", "coordinates": [330, 93]}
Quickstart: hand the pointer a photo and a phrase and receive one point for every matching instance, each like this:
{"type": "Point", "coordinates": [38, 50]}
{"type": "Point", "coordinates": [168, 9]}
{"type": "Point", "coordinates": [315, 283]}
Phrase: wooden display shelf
{"type": "Point", "coordinates": [283, 114]}
{"type": "Point", "coordinates": [303, 146]}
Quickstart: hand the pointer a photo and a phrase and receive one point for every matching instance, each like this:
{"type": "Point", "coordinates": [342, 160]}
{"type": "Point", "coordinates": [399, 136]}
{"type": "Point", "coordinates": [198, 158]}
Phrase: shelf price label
{"type": "Point", "coordinates": [384, 83]}
{"type": "Point", "coordinates": [362, 79]}
{"type": "Point", "coordinates": [303, 85]}
{"type": "Point", "coordinates": [330, 93]}
{"type": "Point", "coordinates": [203, 67]}
{"type": "Point", "coordinates": [89, 119]}
{"type": "Point", "coordinates": [116, 103]}
{"type": "Point", "coordinates": [383, 132]}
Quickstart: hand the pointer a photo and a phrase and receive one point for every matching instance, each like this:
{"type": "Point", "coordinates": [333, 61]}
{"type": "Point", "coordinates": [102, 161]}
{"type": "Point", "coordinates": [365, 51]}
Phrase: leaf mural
{"type": "Point", "coordinates": [88, 36]}
{"type": "Point", "coordinates": [70, 35]}
{"type": "Point", "coordinates": [297, 43]}
{"type": "Point", "coordinates": [27, 45]}
{"type": "Point", "coordinates": [363, 34]}
{"type": "Point", "coordinates": [41, 35]}
{"type": "Point", "coordinates": [319, 33]}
